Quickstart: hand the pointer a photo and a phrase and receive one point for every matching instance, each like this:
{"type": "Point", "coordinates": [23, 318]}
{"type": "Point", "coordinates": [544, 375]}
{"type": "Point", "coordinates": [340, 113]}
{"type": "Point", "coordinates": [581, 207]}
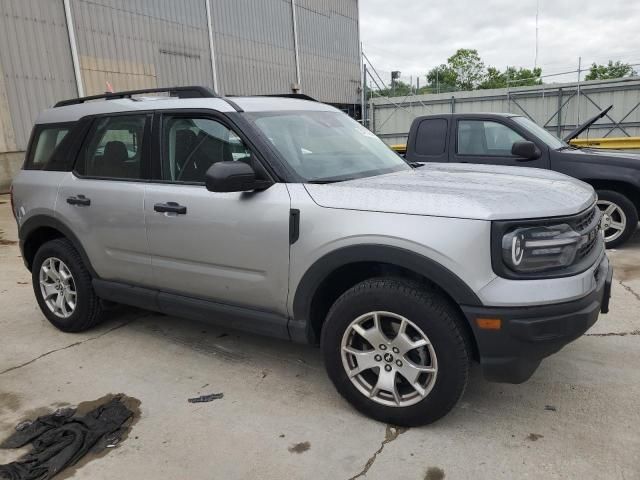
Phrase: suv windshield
{"type": "Point", "coordinates": [327, 146]}
{"type": "Point", "coordinates": [551, 140]}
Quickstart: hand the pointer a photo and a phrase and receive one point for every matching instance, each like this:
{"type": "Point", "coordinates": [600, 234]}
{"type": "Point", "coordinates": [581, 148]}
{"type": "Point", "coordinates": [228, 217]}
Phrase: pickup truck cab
{"type": "Point", "coordinates": [285, 217]}
{"type": "Point", "coordinates": [514, 140]}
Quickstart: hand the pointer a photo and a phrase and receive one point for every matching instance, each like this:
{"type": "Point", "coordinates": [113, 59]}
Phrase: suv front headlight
{"type": "Point", "coordinates": [536, 249]}
{"type": "Point", "coordinates": [546, 247]}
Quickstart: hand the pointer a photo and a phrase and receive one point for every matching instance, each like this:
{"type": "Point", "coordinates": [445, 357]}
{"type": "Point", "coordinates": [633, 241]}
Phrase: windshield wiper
{"type": "Point", "coordinates": [416, 164]}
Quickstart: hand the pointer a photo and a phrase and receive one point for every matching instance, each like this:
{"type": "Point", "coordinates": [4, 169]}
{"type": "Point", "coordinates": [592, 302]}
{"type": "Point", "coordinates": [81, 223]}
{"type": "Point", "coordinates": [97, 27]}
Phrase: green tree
{"type": "Point", "coordinates": [441, 79]}
{"type": "Point", "coordinates": [515, 77]}
{"type": "Point", "coordinates": [464, 70]}
{"type": "Point", "coordinates": [468, 67]}
{"type": "Point", "coordinates": [610, 70]}
{"type": "Point", "coordinates": [399, 89]}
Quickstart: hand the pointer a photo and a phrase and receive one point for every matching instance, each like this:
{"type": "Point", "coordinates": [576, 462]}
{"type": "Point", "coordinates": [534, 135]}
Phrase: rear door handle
{"type": "Point", "coordinates": [171, 207]}
{"type": "Point", "coordinates": [79, 200]}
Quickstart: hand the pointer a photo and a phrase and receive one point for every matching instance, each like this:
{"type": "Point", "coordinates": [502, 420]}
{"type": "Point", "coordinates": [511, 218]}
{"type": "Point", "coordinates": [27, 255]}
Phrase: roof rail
{"type": "Point", "coordinates": [299, 96]}
{"type": "Point", "coordinates": [180, 92]}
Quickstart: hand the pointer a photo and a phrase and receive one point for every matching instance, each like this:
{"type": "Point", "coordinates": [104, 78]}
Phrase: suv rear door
{"type": "Point", "coordinates": [489, 141]}
{"type": "Point", "coordinates": [232, 248]}
{"type": "Point", "coordinates": [102, 200]}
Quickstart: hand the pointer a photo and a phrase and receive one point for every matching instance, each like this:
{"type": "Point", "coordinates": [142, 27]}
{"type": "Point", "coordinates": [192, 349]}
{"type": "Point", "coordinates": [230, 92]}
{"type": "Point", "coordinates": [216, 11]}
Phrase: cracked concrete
{"type": "Point", "coordinates": [276, 395]}
{"type": "Point", "coordinates": [391, 434]}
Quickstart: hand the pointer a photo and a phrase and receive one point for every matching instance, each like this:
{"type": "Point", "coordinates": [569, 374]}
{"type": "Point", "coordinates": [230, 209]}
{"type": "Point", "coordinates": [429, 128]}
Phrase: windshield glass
{"type": "Point", "coordinates": [327, 146]}
{"type": "Point", "coordinates": [551, 140]}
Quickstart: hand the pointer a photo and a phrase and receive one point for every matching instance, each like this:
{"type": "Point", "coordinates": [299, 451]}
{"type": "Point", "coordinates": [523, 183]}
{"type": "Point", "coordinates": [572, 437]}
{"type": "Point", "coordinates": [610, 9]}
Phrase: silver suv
{"type": "Point", "coordinates": [284, 217]}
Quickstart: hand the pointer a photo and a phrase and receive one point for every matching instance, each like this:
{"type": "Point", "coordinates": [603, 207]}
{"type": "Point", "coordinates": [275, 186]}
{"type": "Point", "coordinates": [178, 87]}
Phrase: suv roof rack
{"type": "Point", "coordinates": [299, 96]}
{"type": "Point", "coordinates": [180, 92]}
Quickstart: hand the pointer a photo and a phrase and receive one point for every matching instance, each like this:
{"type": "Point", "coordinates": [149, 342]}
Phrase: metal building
{"type": "Point", "coordinates": [56, 49]}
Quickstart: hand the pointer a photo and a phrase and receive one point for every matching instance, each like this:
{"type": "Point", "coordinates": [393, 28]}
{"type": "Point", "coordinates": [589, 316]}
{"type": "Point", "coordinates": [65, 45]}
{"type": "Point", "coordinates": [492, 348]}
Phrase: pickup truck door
{"type": "Point", "coordinates": [489, 141]}
{"type": "Point", "coordinates": [231, 248]}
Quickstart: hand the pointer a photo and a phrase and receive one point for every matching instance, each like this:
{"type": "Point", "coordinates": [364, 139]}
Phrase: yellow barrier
{"type": "Point", "coordinates": [613, 143]}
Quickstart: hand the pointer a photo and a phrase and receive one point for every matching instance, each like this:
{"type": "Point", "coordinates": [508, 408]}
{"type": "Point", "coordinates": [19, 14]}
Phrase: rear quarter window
{"type": "Point", "coordinates": [46, 148]}
{"type": "Point", "coordinates": [431, 137]}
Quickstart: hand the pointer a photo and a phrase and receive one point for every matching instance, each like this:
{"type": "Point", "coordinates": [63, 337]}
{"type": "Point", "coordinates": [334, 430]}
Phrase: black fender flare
{"type": "Point", "coordinates": [450, 283]}
{"type": "Point", "coordinates": [36, 222]}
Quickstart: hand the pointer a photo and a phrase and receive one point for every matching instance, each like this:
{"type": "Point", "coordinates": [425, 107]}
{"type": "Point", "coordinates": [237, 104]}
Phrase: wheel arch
{"type": "Point", "coordinates": [627, 189]}
{"type": "Point", "coordinates": [40, 229]}
{"type": "Point", "coordinates": [336, 272]}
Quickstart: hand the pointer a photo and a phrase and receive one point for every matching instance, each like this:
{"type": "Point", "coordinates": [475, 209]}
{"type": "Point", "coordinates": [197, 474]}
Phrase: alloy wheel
{"type": "Point", "coordinates": [389, 359]}
{"type": "Point", "coordinates": [614, 220]}
{"type": "Point", "coordinates": [58, 287]}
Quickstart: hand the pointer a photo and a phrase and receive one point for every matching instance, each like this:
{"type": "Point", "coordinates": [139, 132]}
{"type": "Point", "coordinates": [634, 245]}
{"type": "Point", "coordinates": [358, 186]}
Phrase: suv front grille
{"type": "Point", "coordinates": [587, 225]}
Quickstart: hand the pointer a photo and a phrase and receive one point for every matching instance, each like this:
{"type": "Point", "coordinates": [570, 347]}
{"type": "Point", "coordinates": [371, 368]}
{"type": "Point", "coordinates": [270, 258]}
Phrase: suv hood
{"type": "Point", "coordinates": [482, 192]}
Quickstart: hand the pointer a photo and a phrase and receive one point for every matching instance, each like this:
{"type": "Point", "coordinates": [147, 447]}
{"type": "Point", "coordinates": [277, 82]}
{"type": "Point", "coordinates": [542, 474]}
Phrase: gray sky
{"type": "Point", "coordinates": [415, 35]}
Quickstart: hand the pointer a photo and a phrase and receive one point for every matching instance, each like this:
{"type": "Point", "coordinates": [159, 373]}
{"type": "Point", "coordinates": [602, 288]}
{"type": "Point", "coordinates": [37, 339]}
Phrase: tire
{"type": "Point", "coordinates": [84, 309]}
{"type": "Point", "coordinates": [623, 211]}
{"type": "Point", "coordinates": [416, 306]}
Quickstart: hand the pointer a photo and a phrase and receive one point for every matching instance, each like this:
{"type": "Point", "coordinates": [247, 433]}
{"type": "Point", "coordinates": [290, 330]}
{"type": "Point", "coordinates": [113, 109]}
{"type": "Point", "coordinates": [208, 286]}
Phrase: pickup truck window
{"type": "Point", "coordinates": [327, 146]}
{"type": "Point", "coordinates": [431, 137]}
{"type": "Point", "coordinates": [551, 140]}
{"type": "Point", "coordinates": [483, 137]}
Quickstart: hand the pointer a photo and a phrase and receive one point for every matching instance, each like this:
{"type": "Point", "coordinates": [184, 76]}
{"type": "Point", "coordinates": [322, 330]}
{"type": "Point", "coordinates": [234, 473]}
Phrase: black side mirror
{"type": "Point", "coordinates": [233, 177]}
{"type": "Point", "coordinates": [526, 150]}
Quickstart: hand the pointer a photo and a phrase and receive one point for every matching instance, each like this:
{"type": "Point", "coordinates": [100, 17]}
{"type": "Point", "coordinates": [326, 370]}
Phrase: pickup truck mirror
{"type": "Point", "coordinates": [234, 176]}
{"type": "Point", "coordinates": [526, 150]}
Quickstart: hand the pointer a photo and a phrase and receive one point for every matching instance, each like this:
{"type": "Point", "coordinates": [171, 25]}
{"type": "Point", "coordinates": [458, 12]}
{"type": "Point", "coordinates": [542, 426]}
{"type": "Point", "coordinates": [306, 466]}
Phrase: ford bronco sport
{"type": "Point", "coordinates": [284, 217]}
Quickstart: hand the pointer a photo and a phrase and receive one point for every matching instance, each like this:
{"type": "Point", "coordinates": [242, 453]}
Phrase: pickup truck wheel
{"type": "Point", "coordinates": [396, 351]}
{"type": "Point", "coordinates": [63, 288]}
{"type": "Point", "coordinates": [619, 217]}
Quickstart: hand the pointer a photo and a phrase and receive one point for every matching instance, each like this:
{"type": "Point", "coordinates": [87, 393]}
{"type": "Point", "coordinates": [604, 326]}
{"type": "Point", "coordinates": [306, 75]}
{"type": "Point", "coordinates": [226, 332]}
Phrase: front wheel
{"type": "Point", "coordinates": [396, 351]}
{"type": "Point", "coordinates": [619, 217]}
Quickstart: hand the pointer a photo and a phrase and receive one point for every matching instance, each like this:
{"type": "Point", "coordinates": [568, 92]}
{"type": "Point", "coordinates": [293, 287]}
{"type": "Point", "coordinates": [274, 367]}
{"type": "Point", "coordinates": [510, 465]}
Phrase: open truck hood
{"type": "Point", "coordinates": [582, 127]}
{"type": "Point", "coordinates": [483, 192]}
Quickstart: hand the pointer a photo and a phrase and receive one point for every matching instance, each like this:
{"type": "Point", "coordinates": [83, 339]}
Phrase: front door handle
{"type": "Point", "coordinates": [79, 200]}
{"type": "Point", "coordinates": [171, 207]}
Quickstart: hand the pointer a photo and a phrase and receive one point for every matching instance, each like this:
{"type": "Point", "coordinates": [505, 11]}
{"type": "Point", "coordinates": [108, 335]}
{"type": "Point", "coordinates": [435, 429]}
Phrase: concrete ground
{"type": "Point", "coordinates": [280, 416]}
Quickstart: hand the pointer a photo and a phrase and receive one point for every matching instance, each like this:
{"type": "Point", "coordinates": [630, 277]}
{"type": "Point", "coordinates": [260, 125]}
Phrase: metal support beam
{"type": "Point", "coordinates": [214, 74]}
{"type": "Point", "coordinates": [74, 48]}
{"type": "Point", "coordinates": [295, 43]}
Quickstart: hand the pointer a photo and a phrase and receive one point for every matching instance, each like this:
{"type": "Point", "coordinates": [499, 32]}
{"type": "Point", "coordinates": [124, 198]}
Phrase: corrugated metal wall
{"type": "Point", "coordinates": [541, 104]}
{"type": "Point", "coordinates": [254, 46]}
{"type": "Point", "coordinates": [138, 44]}
{"type": "Point", "coordinates": [329, 50]}
{"type": "Point", "coordinates": [35, 66]}
{"type": "Point", "coordinates": [147, 43]}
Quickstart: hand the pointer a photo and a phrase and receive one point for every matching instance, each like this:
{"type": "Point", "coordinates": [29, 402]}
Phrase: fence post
{"type": "Point", "coordinates": [453, 104]}
{"type": "Point", "coordinates": [559, 121]}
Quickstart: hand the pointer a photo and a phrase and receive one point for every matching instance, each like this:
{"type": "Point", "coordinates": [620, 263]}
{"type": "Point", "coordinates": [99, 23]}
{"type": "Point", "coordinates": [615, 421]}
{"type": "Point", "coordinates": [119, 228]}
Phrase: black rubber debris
{"type": "Point", "coordinates": [206, 398]}
{"type": "Point", "coordinates": [59, 440]}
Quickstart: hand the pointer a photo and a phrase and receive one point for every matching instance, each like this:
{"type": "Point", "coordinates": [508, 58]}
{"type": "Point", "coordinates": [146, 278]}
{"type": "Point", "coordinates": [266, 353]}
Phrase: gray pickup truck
{"type": "Point", "coordinates": [514, 140]}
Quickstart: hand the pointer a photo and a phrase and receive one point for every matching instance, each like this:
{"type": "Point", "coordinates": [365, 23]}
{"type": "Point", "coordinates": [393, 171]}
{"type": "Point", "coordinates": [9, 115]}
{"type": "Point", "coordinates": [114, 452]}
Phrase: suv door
{"type": "Point", "coordinates": [102, 200]}
{"type": "Point", "coordinates": [489, 142]}
{"type": "Point", "coordinates": [229, 247]}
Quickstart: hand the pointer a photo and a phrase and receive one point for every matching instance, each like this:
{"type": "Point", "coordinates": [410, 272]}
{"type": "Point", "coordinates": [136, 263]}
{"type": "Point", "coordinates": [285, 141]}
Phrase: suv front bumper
{"type": "Point", "coordinates": [528, 334]}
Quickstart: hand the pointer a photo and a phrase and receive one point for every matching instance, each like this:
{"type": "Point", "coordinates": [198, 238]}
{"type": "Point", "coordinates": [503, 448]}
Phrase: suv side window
{"type": "Point", "coordinates": [483, 137]}
{"type": "Point", "coordinates": [114, 148]}
{"type": "Point", "coordinates": [46, 140]}
{"type": "Point", "coordinates": [191, 145]}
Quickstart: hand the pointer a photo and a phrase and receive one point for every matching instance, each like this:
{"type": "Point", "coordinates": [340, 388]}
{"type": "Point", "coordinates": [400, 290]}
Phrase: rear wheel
{"type": "Point", "coordinates": [396, 351]}
{"type": "Point", "coordinates": [63, 289]}
{"type": "Point", "coordinates": [619, 217]}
